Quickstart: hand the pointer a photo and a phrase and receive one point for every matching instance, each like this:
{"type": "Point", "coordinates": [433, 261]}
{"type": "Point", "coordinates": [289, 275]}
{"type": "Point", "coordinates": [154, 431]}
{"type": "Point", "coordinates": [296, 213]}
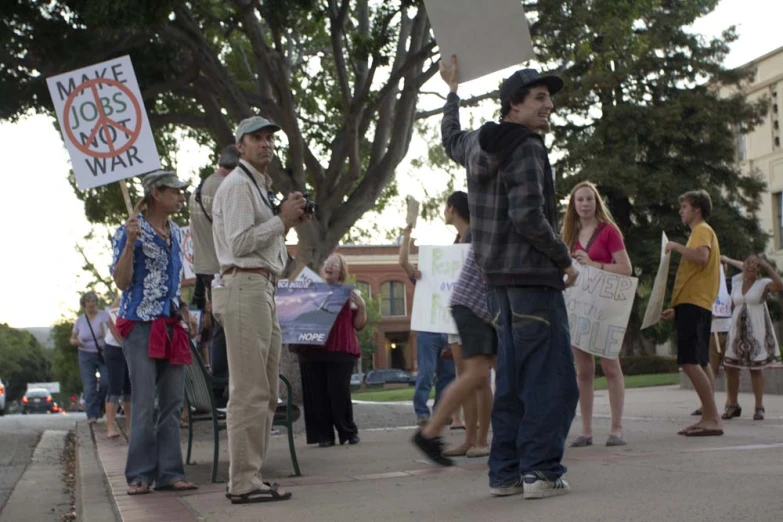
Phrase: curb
{"type": "Point", "coordinates": [92, 493]}
{"type": "Point", "coordinates": [39, 482]}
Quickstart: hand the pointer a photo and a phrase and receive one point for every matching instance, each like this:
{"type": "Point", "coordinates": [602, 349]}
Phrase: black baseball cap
{"type": "Point", "coordinates": [528, 78]}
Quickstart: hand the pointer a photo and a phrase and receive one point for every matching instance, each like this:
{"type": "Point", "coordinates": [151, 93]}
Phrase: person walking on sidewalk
{"type": "Point", "coordinates": [429, 348]}
{"type": "Point", "coordinates": [752, 342]}
{"type": "Point", "coordinates": [696, 287]}
{"type": "Point", "coordinates": [87, 336]}
{"type": "Point", "coordinates": [514, 222]}
{"type": "Point", "coordinates": [249, 234]}
{"type": "Point", "coordinates": [147, 265]}
{"type": "Point", "coordinates": [595, 240]}
{"type": "Point", "coordinates": [474, 356]}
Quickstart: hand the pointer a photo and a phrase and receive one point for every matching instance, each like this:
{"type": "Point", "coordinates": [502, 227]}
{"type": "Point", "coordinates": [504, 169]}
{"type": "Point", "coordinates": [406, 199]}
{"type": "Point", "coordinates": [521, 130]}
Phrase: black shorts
{"type": "Point", "coordinates": [477, 336]}
{"type": "Point", "coordinates": [694, 325]}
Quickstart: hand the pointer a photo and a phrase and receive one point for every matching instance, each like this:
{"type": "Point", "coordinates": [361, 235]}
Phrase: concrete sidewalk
{"type": "Point", "coordinates": [658, 476]}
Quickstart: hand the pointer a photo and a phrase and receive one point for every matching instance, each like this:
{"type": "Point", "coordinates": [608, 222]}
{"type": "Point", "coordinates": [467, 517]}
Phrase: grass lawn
{"type": "Point", "coordinates": [632, 381]}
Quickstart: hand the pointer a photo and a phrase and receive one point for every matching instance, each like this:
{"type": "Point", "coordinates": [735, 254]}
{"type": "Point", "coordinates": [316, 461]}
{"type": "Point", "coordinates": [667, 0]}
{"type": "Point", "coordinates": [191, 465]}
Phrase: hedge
{"type": "Point", "coordinates": [642, 365]}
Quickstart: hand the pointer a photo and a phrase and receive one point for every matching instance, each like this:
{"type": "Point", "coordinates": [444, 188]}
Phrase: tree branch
{"type": "Point", "coordinates": [337, 18]}
{"type": "Point", "coordinates": [470, 102]}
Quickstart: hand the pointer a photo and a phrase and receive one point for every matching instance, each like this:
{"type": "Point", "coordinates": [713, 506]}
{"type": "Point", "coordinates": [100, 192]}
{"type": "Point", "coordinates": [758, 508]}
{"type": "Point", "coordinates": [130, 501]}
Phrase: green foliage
{"type": "Point", "coordinates": [22, 360]}
{"type": "Point", "coordinates": [341, 78]}
{"type": "Point", "coordinates": [367, 339]}
{"type": "Point", "coordinates": [65, 360]}
{"type": "Point", "coordinates": [643, 117]}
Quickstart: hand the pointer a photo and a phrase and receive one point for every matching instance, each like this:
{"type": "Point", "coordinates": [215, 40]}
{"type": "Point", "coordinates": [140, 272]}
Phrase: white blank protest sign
{"type": "Point", "coordinates": [104, 123]}
{"type": "Point", "coordinates": [486, 36]}
{"type": "Point", "coordinates": [652, 315]}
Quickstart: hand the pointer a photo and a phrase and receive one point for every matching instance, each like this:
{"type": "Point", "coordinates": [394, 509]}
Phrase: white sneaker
{"type": "Point", "coordinates": [507, 490]}
{"type": "Point", "coordinates": [537, 486]}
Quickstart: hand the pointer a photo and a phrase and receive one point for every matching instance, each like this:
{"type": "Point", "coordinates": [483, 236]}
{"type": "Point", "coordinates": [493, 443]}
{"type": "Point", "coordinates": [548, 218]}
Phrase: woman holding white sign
{"type": "Point", "coordinates": [751, 343]}
{"type": "Point", "coordinates": [595, 240]}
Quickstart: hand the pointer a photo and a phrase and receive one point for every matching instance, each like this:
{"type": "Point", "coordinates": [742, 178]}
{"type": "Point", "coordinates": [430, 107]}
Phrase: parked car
{"type": "Point", "coordinates": [37, 400]}
{"type": "Point", "coordinates": [391, 376]}
{"type": "Point", "coordinates": [356, 381]}
{"type": "Point", "coordinates": [2, 398]}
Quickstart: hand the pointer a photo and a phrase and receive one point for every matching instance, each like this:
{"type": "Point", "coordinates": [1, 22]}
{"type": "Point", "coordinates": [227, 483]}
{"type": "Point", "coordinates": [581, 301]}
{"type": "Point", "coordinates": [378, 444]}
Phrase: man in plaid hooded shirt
{"type": "Point", "coordinates": [523, 261]}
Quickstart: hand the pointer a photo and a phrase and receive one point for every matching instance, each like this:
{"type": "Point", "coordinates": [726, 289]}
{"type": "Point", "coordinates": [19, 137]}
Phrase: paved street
{"type": "Point", "coordinates": [19, 434]}
{"type": "Point", "coordinates": [658, 476]}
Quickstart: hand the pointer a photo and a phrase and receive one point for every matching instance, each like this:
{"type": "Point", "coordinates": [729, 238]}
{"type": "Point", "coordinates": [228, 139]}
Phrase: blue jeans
{"type": "Point", "coordinates": [535, 385]}
{"type": "Point", "coordinates": [94, 392]}
{"type": "Point", "coordinates": [154, 451]}
{"type": "Point", "coordinates": [428, 349]}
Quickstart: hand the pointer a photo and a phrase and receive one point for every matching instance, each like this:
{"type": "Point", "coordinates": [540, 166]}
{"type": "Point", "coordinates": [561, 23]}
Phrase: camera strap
{"type": "Point", "coordinates": [265, 199]}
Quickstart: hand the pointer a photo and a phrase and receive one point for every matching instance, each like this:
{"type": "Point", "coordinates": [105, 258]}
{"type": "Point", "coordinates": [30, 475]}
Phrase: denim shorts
{"type": "Point", "coordinates": [478, 337]}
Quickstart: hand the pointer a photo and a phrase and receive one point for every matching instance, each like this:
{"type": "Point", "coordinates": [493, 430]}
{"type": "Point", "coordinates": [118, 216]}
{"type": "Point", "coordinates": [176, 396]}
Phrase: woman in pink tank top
{"type": "Point", "coordinates": [595, 240]}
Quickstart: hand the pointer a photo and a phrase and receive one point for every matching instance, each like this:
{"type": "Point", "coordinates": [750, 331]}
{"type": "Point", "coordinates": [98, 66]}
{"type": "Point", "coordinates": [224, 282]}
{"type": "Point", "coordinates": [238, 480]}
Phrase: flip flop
{"type": "Point", "coordinates": [703, 432]}
{"type": "Point", "coordinates": [259, 495]}
{"type": "Point", "coordinates": [113, 436]}
{"type": "Point", "coordinates": [686, 430]}
{"type": "Point", "coordinates": [177, 485]}
{"type": "Point", "coordinates": [458, 427]}
{"type": "Point", "coordinates": [140, 488]}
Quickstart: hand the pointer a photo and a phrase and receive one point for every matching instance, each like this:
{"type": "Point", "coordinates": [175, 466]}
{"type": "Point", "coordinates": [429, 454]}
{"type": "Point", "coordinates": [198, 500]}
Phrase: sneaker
{"type": "Point", "coordinates": [538, 486]}
{"type": "Point", "coordinates": [512, 488]}
{"type": "Point", "coordinates": [432, 448]}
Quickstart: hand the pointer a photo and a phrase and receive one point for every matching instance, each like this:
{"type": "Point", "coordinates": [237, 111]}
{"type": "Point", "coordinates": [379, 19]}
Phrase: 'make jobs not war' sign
{"type": "Point", "coordinates": [104, 123]}
{"type": "Point", "coordinates": [599, 306]}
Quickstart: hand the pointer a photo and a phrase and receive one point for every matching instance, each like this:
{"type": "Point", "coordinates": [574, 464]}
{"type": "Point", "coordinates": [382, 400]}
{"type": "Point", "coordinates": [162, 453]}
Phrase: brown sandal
{"type": "Point", "coordinates": [732, 410]}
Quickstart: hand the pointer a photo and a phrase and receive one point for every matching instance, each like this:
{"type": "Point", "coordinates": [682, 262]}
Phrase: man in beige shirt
{"type": "Point", "coordinates": [249, 236]}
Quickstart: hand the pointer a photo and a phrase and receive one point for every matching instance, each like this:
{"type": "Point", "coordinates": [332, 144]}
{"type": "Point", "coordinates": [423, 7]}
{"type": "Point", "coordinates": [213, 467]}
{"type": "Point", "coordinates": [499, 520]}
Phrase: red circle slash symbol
{"type": "Point", "coordinates": [103, 122]}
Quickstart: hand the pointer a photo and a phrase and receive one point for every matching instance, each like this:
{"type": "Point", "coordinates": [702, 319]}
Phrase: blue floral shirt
{"type": "Point", "coordinates": [157, 273]}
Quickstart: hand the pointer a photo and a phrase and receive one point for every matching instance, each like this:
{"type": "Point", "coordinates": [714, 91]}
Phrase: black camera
{"type": "Point", "coordinates": [310, 208]}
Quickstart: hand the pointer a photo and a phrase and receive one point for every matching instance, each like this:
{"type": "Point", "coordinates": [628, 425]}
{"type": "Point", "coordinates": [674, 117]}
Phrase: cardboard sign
{"type": "Point", "coordinates": [652, 315]}
{"type": "Point", "coordinates": [440, 267]}
{"type": "Point", "coordinates": [104, 123]}
{"type": "Point", "coordinates": [413, 211]}
{"type": "Point", "coordinates": [307, 312]}
{"type": "Point", "coordinates": [722, 305]}
{"type": "Point", "coordinates": [486, 36]}
{"type": "Point", "coordinates": [599, 306]}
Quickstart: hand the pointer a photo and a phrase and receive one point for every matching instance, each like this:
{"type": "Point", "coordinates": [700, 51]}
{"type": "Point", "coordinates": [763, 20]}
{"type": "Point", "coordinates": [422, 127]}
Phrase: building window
{"type": "Point", "coordinates": [742, 151]}
{"type": "Point", "coordinates": [365, 289]}
{"type": "Point", "coordinates": [393, 299]}
{"type": "Point", "coordinates": [777, 219]}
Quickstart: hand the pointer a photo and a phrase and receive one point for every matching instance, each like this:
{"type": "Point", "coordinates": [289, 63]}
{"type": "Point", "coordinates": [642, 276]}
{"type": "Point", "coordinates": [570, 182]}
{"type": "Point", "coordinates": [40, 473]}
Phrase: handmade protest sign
{"type": "Point", "coordinates": [104, 123]}
{"type": "Point", "coordinates": [722, 305]}
{"type": "Point", "coordinates": [307, 311]}
{"type": "Point", "coordinates": [485, 36]}
{"type": "Point", "coordinates": [187, 253]}
{"type": "Point", "coordinates": [599, 306]}
{"type": "Point", "coordinates": [655, 304]}
{"type": "Point", "coordinates": [413, 211]}
{"type": "Point", "coordinates": [440, 267]}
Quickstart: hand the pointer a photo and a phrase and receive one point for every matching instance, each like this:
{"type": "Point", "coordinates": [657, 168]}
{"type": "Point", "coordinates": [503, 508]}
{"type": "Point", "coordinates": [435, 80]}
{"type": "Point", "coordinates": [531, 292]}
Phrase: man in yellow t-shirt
{"type": "Point", "coordinates": [695, 289]}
